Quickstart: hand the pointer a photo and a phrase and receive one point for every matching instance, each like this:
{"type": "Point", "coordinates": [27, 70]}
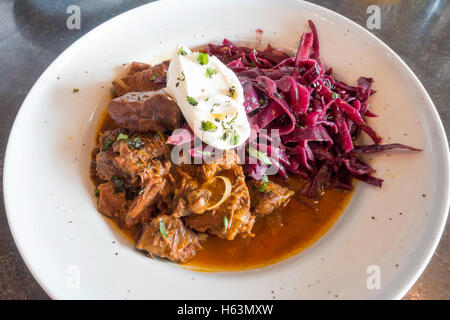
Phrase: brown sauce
{"type": "Point", "coordinates": [277, 236]}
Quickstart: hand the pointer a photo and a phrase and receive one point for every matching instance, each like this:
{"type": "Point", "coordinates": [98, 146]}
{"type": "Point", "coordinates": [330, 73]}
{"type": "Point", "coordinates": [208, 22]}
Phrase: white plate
{"type": "Point", "coordinates": [50, 199]}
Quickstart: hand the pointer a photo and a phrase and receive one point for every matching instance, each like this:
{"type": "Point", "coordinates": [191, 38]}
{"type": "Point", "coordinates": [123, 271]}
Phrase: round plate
{"type": "Point", "coordinates": [378, 247]}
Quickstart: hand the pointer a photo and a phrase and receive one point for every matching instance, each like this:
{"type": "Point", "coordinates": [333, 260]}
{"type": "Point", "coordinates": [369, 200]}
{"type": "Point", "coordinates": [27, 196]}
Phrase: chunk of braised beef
{"type": "Point", "coordinates": [227, 160]}
{"type": "Point", "coordinates": [138, 66]}
{"type": "Point", "coordinates": [146, 111]}
{"type": "Point", "coordinates": [191, 193]}
{"type": "Point", "coordinates": [267, 197]}
{"type": "Point", "coordinates": [233, 216]}
{"type": "Point", "coordinates": [105, 166]}
{"type": "Point", "coordinates": [187, 184]}
{"type": "Point", "coordinates": [167, 237]}
{"type": "Point", "coordinates": [141, 78]}
{"type": "Point", "coordinates": [110, 202]}
{"type": "Point", "coordinates": [127, 155]}
{"type": "Point", "coordinates": [153, 178]}
{"type": "Point", "coordinates": [107, 138]}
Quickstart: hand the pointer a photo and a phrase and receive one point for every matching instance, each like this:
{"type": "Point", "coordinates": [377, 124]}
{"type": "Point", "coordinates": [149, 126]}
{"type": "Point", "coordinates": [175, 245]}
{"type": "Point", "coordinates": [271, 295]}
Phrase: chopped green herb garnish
{"type": "Point", "coordinates": [279, 95]}
{"type": "Point", "coordinates": [182, 78]}
{"type": "Point", "coordinates": [136, 143]}
{"type": "Point", "coordinates": [210, 72]}
{"type": "Point", "coordinates": [261, 156]}
{"type": "Point", "coordinates": [97, 192]}
{"type": "Point", "coordinates": [122, 136]}
{"type": "Point", "coordinates": [217, 119]}
{"type": "Point", "coordinates": [177, 84]}
{"type": "Point", "coordinates": [192, 101]}
{"type": "Point", "coordinates": [107, 144]}
{"type": "Point", "coordinates": [224, 136]}
{"type": "Point", "coordinates": [118, 184]}
{"type": "Point", "coordinates": [208, 126]}
{"type": "Point", "coordinates": [162, 229]}
{"type": "Point", "coordinates": [235, 138]}
{"type": "Point", "coordinates": [225, 223]}
{"type": "Point", "coordinates": [263, 188]}
{"type": "Point", "coordinates": [153, 77]}
{"type": "Point", "coordinates": [213, 106]}
{"type": "Point", "coordinates": [75, 90]}
{"type": "Point", "coordinates": [232, 120]}
{"type": "Point", "coordinates": [334, 95]}
{"type": "Point", "coordinates": [181, 51]}
{"type": "Point", "coordinates": [232, 91]}
{"type": "Point", "coordinates": [203, 58]}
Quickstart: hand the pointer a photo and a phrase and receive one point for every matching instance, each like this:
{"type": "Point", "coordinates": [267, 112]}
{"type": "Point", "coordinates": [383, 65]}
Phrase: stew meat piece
{"type": "Point", "coordinates": [105, 168]}
{"type": "Point", "coordinates": [166, 237]}
{"type": "Point", "coordinates": [270, 199]}
{"type": "Point", "coordinates": [142, 77]}
{"type": "Point", "coordinates": [134, 168]}
{"type": "Point", "coordinates": [128, 157]}
{"type": "Point", "coordinates": [233, 216]}
{"type": "Point", "coordinates": [111, 202]}
{"type": "Point", "coordinates": [154, 179]}
{"type": "Point", "coordinates": [138, 66]}
{"type": "Point", "coordinates": [188, 193]}
{"type": "Point", "coordinates": [146, 111]}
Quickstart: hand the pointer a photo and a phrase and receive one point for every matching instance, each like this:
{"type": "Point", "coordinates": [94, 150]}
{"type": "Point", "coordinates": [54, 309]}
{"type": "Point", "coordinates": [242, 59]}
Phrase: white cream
{"type": "Point", "coordinates": [219, 99]}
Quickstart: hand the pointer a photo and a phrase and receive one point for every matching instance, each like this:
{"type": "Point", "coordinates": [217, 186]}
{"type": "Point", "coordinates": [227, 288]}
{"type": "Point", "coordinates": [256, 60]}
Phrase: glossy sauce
{"type": "Point", "coordinates": [278, 236]}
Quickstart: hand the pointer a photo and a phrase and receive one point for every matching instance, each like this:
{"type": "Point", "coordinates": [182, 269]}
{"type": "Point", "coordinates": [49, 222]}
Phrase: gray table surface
{"type": "Point", "coordinates": [33, 33]}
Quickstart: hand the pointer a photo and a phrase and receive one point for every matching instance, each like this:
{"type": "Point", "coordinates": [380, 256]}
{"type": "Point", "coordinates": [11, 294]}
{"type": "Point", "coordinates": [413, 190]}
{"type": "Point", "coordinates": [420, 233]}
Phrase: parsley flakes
{"type": "Point", "coordinates": [261, 156]}
{"type": "Point", "coordinates": [192, 101]}
{"type": "Point", "coordinates": [334, 95]}
{"type": "Point", "coordinates": [263, 187]}
{"type": "Point", "coordinates": [210, 72]}
{"type": "Point", "coordinates": [162, 229]}
{"type": "Point", "coordinates": [203, 58]}
{"type": "Point", "coordinates": [122, 136]}
{"type": "Point", "coordinates": [107, 144]}
{"type": "Point", "coordinates": [235, 138]}
{"type": "Point", "coordinates": [208, 126]}
{"type": "Point", "coordinates": [181, 52]}
{"type": "Point", "coordinates": [232, 91]}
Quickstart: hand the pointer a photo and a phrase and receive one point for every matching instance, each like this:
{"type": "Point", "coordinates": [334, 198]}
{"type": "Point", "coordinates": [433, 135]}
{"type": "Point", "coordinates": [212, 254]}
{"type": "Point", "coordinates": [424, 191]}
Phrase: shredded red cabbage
{"type": "Point", "coordinates": [317, 117]}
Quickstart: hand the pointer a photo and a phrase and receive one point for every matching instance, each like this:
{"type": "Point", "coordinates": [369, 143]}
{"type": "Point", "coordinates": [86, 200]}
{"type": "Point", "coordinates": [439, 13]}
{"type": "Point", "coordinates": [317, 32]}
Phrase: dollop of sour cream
{"type": "Point", "coordinates": [210, 96]}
